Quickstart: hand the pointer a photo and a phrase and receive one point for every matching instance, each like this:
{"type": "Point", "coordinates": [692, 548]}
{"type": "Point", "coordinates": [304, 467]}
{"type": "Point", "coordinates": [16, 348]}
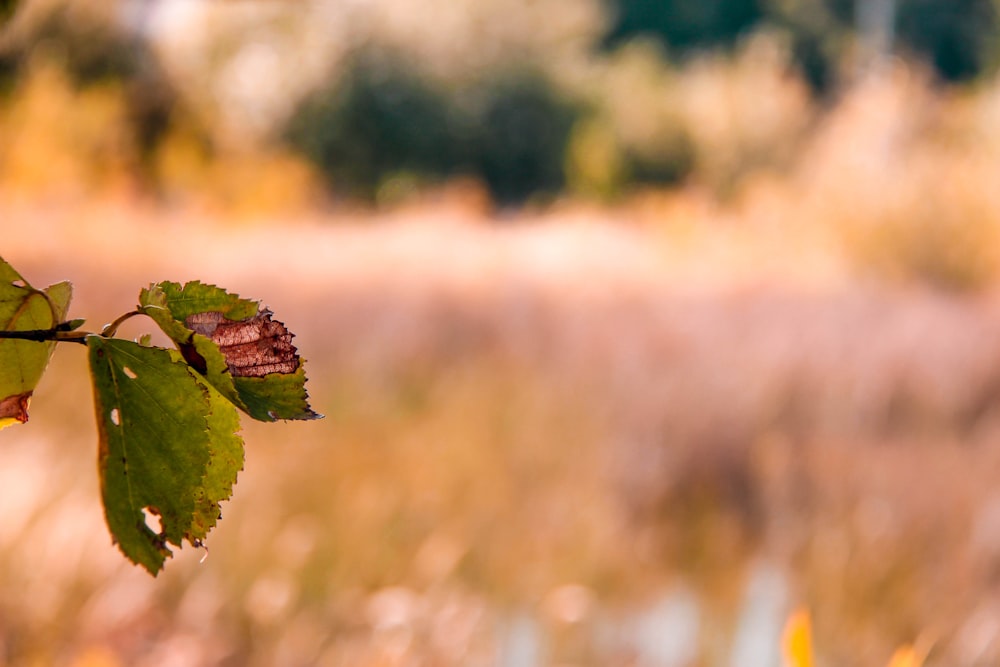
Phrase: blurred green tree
{"type": "Point", "coordinates": [684, 24]}
{"type": "Point", "coordinates": [958, 38]}
{"type": "Point", "coordinates": [378, 120]}
{"type": "Point", "coordinates": [382, 119]}
{"type": "Point", "coordinates": [819, 34]}
{"type": "Point", "coordinates": [520, 137]}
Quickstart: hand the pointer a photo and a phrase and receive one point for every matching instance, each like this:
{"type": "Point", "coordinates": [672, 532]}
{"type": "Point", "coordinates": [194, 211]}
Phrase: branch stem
{"type": "Point", "coordinates": [47, 335]}
{"type": "Point", "coordinates": [63, 332]}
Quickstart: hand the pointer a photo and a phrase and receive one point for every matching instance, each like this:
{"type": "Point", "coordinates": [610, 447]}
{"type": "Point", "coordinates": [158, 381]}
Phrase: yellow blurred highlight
{"type": "Point", "coordinates": [254, 182]}
{"type": "Point", "coordinates": [796, 645]}
{"type": "Point", "coordinates": [96, 656]}
{"type": "Point", "coordinates": [796, 640]}
{"type": "Point", "coordinates": [906, 656]}
{"type": "Point", "coordinates": [61, 140]}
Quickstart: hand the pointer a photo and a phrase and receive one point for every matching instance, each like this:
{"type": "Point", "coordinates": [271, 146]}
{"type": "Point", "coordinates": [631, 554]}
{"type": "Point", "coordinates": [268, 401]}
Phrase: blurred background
{"type": "Point", "coordinates": [636, 324]}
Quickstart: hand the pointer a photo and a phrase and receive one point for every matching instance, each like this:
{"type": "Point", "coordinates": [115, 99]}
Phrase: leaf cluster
{"type": "Point", "coordinates": [169, 450]}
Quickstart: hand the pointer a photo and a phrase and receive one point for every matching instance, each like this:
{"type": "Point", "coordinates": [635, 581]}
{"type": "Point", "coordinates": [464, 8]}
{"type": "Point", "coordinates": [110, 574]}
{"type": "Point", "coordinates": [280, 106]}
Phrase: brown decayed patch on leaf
{"type": "Point", "coordinates": [15, 407]}
{"type": "Point", "coordinates": [253, 347]}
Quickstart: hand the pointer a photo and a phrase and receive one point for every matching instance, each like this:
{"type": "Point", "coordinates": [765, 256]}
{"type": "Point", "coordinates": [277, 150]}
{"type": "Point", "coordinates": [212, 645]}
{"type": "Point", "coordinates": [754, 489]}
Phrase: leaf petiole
{"type": "Point", "coordinates": [110, 330]}
{"type": "Point", "coordinates": [65, 332]}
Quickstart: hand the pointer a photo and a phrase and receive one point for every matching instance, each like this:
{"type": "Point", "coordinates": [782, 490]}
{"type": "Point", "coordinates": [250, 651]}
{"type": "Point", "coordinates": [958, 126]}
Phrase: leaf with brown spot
{"type": "Point", "coordinates": [254, 347]}
{"type": "Point", "coordinates": [236, 345]}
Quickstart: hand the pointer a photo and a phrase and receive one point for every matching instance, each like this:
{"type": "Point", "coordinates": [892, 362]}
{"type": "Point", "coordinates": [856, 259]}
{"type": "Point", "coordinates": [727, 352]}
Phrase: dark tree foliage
{"type": "Point", "coordinates": [89, 48]}
{"type": "Point", "coordinates": [9, 62]}
{"type": "Point", "coordinates": [9, 68]}
{"type": "Point", "coordinates": [684, 24]}
{"type": "Point", "coordinates": [378, 120]}
{"type": "Point", "coordinates": [381, 118]}
{"type": "Point", "coordinates": [818, 31]}
{"type": "Point", "coordinates": [7, 8]}
{"type": "Point", "coordinates": [958, 37]}
{"type": "Point", "coordinates": [521, 138]}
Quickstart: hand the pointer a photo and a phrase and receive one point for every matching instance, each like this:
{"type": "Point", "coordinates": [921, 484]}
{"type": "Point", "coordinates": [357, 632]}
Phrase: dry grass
{"type": "Point", "coordinates": [555, 419]}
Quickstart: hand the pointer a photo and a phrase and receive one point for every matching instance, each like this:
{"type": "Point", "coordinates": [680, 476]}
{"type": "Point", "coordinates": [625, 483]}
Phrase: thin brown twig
{"type": "Point", "coordinates": [47, 335]}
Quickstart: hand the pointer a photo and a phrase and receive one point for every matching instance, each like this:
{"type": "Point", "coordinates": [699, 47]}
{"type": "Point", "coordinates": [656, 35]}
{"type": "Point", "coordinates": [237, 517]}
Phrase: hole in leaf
{"type": "Point", "coordinates": [129, 372]}
{"type": "Point", "coordinates": [151, 516]}
{"type": "Point", "coordinates": [115, 418]}
{"type": "Point", "coordinates": [18, 283]}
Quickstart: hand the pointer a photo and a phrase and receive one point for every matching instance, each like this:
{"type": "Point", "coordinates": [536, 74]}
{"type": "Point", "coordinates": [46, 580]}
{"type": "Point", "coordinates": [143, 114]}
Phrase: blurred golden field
{"type": "Point", "coordinates": [619, 426]}
{"type": "Point", "coordinates": [542, 439]}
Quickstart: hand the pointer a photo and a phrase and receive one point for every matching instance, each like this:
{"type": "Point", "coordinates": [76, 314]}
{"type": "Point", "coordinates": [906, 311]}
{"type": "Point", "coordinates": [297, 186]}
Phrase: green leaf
{"type": "Point", "coordinates": [168, 447]}
{"type": "Point", "coordinates": [197, 297]}
{"type": "Point", "coordinates": [24, 308]}
{"type": "Point", "coordinates": [199, 352]}
{"type": "Point", "coordinates": [276, 396]}
{"type": "Point", "coordinates": [224, 464]}
{"type": "Point", "coordinates": [235, 345]}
